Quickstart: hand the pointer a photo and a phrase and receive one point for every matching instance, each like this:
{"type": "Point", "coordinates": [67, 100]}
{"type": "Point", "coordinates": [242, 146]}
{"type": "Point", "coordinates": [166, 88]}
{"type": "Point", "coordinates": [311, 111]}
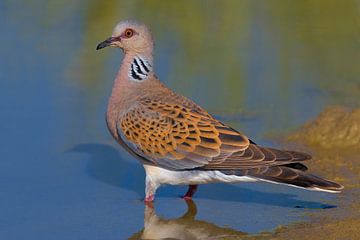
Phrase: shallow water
{"type": "Point", "coordinates": [264, 68]}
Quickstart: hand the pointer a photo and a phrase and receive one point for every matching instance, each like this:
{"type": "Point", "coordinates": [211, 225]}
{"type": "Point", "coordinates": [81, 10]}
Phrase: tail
{"type": "Point", "coordinates": [294, 175]}
{"type": "Point", "coordinates": [296, 178]}
{"type": "Point", "coordinates": [276, 166]}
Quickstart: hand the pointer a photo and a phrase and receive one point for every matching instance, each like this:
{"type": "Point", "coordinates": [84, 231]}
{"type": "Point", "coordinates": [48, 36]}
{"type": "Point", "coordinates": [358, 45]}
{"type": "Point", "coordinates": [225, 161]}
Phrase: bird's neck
{"type": "Point", "coordinates": [135, 70]}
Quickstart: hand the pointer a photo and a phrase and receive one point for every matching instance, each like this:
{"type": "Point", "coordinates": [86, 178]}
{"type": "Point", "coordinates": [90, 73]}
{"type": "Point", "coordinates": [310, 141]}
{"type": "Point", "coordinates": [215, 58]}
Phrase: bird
{"type": "Point", "coordinates": [177, 141]}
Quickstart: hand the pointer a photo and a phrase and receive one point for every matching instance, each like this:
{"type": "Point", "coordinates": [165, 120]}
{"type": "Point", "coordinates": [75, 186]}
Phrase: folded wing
{"type": "Point", "coordinates": [178, 137]}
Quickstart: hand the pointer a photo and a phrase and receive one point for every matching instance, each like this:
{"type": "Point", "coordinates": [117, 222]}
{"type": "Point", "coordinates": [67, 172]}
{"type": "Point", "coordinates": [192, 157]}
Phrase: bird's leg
{"type": "Point", "coordinates": [191, 191]}
{"type": "Point", "coordinates": [150, 189]}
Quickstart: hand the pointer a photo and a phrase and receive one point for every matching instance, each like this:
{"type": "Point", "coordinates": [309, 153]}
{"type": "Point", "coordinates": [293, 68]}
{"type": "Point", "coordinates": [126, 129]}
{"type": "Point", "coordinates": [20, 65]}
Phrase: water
{"type": "Point", "coordinates": [263, 68]}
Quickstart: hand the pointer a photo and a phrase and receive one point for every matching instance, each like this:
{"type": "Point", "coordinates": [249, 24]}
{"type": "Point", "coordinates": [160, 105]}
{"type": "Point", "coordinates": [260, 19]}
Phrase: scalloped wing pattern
{"type": "Point", "coordinates": [178, 137]}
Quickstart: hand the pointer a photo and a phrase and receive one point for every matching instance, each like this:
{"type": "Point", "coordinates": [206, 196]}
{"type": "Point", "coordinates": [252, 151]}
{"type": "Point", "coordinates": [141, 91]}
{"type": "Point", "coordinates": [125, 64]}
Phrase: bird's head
{"type": "Point", "coordinates": [130, 36]}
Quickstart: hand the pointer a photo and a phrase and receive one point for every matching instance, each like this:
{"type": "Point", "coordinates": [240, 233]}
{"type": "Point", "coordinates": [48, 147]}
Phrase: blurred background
{"type": "Point", "coordinates": [265, 67]}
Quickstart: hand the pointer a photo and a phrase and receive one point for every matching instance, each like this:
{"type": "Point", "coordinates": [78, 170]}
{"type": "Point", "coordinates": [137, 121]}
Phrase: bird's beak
{"type": "Point", "coordinates": [107, 42]}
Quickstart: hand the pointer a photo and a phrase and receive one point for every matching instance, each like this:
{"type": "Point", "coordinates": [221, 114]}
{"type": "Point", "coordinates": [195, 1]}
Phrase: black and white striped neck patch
{"type": "Point", "coordinates": [139, 69]}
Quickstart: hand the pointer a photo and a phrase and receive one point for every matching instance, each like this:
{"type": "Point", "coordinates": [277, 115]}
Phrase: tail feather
{"type": "Point", "coordinates": [292, 176]}
{"type": "Point", "coordinates": [297, 165]}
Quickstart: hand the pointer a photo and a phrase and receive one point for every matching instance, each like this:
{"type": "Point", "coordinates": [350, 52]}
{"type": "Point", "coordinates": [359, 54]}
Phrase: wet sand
{"type": "Point", "coordinates": [334, 139]}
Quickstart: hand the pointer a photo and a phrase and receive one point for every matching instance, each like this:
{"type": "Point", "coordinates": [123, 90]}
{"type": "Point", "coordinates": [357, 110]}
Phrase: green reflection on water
{"type": "Point", "coordinates": [239, 56]}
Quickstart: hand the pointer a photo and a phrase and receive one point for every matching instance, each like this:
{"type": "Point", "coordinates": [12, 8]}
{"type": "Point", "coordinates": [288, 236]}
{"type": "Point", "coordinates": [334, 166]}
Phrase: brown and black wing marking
{"type": "Point", "coordinates": [177, 137]}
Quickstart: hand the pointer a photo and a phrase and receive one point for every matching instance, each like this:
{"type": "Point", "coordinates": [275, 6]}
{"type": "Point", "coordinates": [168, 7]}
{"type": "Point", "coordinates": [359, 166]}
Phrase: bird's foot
{"type": "Point", "coordinates": [149, 199]}
{"type": "Point", "coordinates": [190, 193]}
{"type": "Point", "coordinates": [150, 205]}
{"type": "Point", "coordinates": [186, 198]}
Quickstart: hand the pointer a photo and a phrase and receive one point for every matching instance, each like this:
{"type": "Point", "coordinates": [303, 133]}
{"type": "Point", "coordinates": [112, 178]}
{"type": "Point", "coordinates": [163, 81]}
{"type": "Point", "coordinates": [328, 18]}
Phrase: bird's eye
{"type": "Point", "coordinates": [128, 33]}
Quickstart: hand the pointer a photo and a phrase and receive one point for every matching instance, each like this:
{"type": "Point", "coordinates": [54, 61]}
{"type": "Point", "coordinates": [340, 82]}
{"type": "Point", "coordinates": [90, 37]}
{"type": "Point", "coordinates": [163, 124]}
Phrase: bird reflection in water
{"type": "Point", "coordinates": [184, 227]}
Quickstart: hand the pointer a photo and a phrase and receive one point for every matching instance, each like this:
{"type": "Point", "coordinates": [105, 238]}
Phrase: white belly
{"type": "Point", "coordinates": [163, 176]}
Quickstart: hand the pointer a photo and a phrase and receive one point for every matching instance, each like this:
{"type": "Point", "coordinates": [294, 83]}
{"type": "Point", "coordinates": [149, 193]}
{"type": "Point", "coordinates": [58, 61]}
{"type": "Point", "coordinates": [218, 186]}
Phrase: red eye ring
{"type": "Point", "coordinates": [128, 33]}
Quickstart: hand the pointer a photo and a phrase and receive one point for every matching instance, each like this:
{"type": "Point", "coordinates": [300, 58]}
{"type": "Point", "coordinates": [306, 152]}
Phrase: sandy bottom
{"type": "Point", "coordinates": [334, 139]}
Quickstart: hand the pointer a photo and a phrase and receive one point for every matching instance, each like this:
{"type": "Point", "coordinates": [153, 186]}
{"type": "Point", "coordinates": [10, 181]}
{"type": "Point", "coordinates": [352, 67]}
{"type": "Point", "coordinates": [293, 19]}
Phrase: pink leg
{"type": "Point", "coordinates": [149, 204]}
{"type": "Point", "coordinates": [149, 198]}
{"type": "Point", "coordinates": [191, 191]}
{"type": "Point", "coordinates": [150, 189]}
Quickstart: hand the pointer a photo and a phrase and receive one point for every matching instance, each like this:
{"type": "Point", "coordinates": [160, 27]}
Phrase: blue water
{"type": "Point", "coordinates": [62, 176]}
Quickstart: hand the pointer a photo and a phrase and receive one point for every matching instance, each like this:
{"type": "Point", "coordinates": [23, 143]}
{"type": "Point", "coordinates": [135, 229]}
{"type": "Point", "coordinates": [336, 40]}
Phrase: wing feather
{"type": "Point", "coordinates": [178, 137]}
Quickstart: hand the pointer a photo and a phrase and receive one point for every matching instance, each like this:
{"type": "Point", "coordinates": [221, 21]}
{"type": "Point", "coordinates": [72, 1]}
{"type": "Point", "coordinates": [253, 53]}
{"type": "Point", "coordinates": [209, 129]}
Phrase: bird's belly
{"type": "Point", "coordinates": [164, 176]}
